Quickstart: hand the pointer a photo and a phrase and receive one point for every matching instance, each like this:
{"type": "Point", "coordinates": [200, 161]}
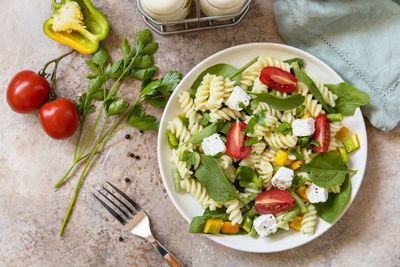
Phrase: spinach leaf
{"type": "Point", "coordinates": [327, 170]}
{"type": "Point", "coordinates": [205, 119]}
{"type": "Point", "coordinates": [245, 173]}
{"type": "Point", "coordinates": [280, 103]}
{"type": "Point", "coordinates": [299, 61]}
{"type": "Point", "coordinates": [283, 128]}
{"type": "Point", "coordinates": [251, 141]}
{"type": "Point", "coordinates": [299, 111]}
{"type": "Point", "coordinates": [349, 98]}
{"type": "Point", "coordinates": [197, 225]}
{"type": "Point", "coordinates": [302, 76]}
{"type": "Point", "coordinates": [214, 180]}
{"type": "Point", "coordinates": [332, 208]}
{"type": "Point", "coordinates": [226, 127]}
{"type": "Point", "coordinates": [219, 213]}
{"type": "Point", "coordinates": [206, 132]}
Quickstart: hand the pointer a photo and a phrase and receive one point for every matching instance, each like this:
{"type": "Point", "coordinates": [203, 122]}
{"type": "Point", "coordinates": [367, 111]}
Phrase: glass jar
{"type": "Point", "coordinates": [221, 7]}
{"type": "Point", "coordinates": [166, 10]}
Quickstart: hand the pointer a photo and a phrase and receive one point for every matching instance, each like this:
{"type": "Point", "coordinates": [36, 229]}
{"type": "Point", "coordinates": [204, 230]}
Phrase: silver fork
{"type": "Point", "coordinates": [135, 220]}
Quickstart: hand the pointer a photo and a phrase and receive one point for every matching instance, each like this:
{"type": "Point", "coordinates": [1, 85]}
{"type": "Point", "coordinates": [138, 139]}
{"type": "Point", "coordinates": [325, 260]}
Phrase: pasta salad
{"type": "Point", "coordinates": [263, 148]}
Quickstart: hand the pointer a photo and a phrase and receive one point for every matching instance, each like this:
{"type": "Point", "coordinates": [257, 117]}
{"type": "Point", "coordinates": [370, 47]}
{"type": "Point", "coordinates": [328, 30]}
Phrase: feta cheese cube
{"type": "Point", "coordinates": [283, 178]}
{"type": "Point", "coordinates": [213, 145]}
{"type": "Point", "coordinates": [265, 225]}
{"type": "Point", "coordinates": [303, 127]}
{"type": "Point", "coordinates": [238, 96]}
{"type": "Point", "coordinates": [316, 194]}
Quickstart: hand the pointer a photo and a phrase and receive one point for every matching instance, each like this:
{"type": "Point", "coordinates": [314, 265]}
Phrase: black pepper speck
{"type": "Point", "coordinates": [128, 136]}
{"type": "Point", "coordinates": [127, 180]}
{"type": "Point", "coordinates": [120, 239]}
{"type": "Point", "coordinates": [131, 155]}
{"type": "Point", "coordinates": [137, 157]}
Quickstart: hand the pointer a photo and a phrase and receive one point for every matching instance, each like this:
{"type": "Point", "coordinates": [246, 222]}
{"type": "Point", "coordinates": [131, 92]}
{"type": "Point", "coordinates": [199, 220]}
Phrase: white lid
{"type": "Point", "coordinates": [224, 4]}
{"type": "Point", "coordinates": [163, 6]}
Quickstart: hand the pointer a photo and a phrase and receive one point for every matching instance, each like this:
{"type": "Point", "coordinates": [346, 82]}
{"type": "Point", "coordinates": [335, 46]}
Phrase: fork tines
{"type": "Point", "coordinates": [123, 208]}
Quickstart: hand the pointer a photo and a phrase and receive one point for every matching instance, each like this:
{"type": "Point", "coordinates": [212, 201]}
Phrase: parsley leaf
{"type": "Point", "coordinates": [299, 111]}
{"type": "Point", "coordinates": [315, 143]}
{"type": "Point", "coordinates": [137, 119]}
{"type": "Point", "coordinates": [283, 128]}
{"type": "Point", "coordinates": [205, 119]}
{"type": "Point", "coordinates": [188, 157]}
{"type": "Point", "coordinates": [298, 181]}
{"type": "Point", "coordinates": [304, 141]}
{"type": "Point", "coordinates": [257, 118]}
{"type": "Point", "coordinates": [296, 154]}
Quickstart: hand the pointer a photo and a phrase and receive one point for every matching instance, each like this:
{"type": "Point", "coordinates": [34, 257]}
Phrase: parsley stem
{"type": "Point", "coordinates": [79, 139]}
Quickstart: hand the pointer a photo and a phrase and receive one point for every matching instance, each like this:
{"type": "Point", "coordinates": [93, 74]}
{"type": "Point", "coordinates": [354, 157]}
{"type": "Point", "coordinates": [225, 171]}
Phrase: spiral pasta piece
{"type": "Point", "coordinates": [217, 93]}
{"type": "Point", "coordinates": [289, 116]}
{"type": "Point", "coordinates": [335, 189]}
{"type": "Point", "coordinates": [264, 170]}
{"type": "Point", "coordinates": [334, 144]}
{"type": "Point", "coordinates": [196, 189]}
{"type": "Point", "coordinates": [203, 93]}
{"type": "Point", "coordinates": [278, 141]}
{"type": "Point", "coordinates": [254, 155]}
{"type": "Point", "coordinates": [233, 209]}
{"type": "Point", "coordinates": [225, 162]}
{"type": "Point", "coordinates": [259, 87]}
{"type": "Point", "coordinates": [335, 127]}
{"type": "Point", "coordinates": [272, 112]}
{"type": "Point", "coordinates": [188, 107]}
{"type": "Point", "coordinates": [307, 153]}
{"type": "Point", "coordinates": [226, 114]}
{"type": "Point", "coordinates": [309, 220]}
{"type": "Point", "coordinates": [329, 97]}
{"type": "Point", "coordinates": [179, 130]}
{"type": "Point", "coordinates": [249, 76]}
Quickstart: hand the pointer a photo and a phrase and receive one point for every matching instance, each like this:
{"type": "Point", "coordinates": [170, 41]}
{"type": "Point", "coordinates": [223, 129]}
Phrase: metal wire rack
{"type": "Point", "coordinates": [195, 21]}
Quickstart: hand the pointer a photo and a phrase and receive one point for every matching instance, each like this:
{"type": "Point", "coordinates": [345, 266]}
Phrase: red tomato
{"type": "Point", "coordinates": [27, 91]}
{"type": "Point", "coordinates": [278, 79]}
{"type": "Point", "coordinates": [59, 118]}
{"type": "Point", "coordinates": [273, 201]}
{"type": "Point", "coordinates": [322, 134]}
{"type": "Point", "coordinates": [235, 141]}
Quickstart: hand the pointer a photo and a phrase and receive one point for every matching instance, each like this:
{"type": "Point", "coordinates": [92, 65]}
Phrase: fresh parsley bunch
{"type": "Point", "coordinates": [136, 63]}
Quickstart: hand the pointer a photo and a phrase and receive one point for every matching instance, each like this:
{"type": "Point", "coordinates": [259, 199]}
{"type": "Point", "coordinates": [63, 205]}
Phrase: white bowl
{"type": "Point", "coordinates": [239, 56]}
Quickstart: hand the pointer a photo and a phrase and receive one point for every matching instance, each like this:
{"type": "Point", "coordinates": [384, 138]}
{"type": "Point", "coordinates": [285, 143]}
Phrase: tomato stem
{"type": "Point", "coordinates": [43, 73]}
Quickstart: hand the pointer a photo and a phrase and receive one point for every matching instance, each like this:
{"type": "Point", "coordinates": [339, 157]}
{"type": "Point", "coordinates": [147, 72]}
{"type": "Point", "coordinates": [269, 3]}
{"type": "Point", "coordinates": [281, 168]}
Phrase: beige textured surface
{"type": "Point", "coordinates": [30, 163]}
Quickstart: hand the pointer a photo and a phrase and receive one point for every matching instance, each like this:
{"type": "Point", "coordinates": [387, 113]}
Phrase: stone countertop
{"type": "Point", "coordinates": [30, 163]}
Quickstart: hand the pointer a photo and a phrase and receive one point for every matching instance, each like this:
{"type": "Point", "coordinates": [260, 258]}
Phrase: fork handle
{"type": "Point", "coordinates": [166, 254]}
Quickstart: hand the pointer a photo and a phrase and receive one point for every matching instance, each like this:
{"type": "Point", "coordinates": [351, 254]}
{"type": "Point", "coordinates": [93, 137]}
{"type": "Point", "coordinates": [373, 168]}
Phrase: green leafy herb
{"type": "Point", "coordinates": [280, 103]}
{"type": "Point", "coordinates": [304, 141]}
{"type": "Point", "coordinates": [183, 119]}
{"type": "Point", "coordinates": [197, 225]}
{"type": "Point", "coordinates": [187, 157]}
{"type": "Point", "coordinates": [299, 111]}
{"type": "Point", "coordinates": [165, 85]}
{"type": "Point", "coordinates": [296, 154]}
{"type": "Point", "coordinates": [315, 143]}
{"type": "Point", "coordinates": [219, 213]}
{"type": "Point", "coordinates": [299, 61]}
{"type": "Point", "coordinates": [248, 178]}
{"type": "Point", "coordinates": [302, 76]}
{"type": "Point", "coordinates": [330, 210]}
{"type": "Point", "coordinates": [298, 181]}
{"type": "Point", "coordinates": [349, 98]}
{"type": "Point", "coordinates": [205, 119]}
{"type": "Point", "coordinates": [213, 178]}
{"type": "Point", "coordinates": [116, 106]}
{"type": "Point", "coordinates": [204, 133]}
{"type": "Point", "coordinates": [245, 173]}
{"type": "Point", "coordinates": [137, 119]}
{"type": "Point", "coordinates": [283, 128]}
{"type": "Point", "coordinates": [327, 170]}
{"type": "Point", "coordinates": [257, 118]}
{"type": "Point", "coordinates": [251, 141]}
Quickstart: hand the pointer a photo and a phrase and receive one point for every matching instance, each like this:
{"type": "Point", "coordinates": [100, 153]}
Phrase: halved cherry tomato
{"type": "Point", "coordinates": [278, 79]}
{"type": "Point", "coordinates": [322, 134]}
{"type": "Point", "coordinates": [235, 141]}
{"type": "Point", "coordinates": [27, 91]}
{"type": "Point", "coordinates": [273, 201]}
{"type": "Point", "coordinates": [59, 118]}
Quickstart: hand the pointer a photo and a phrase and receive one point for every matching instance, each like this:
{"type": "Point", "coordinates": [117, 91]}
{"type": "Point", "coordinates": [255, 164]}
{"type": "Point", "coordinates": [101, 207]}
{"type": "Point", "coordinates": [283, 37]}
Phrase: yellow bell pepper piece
{"type": "Point", "coordinates": [296, 164]}
{"type": "Point", "coordinates": [280, 158]}
{"type": "Point", "coordinates": [213, 226]}
{"type": "Point", "coordinates": [342, 133]}
{"type": "Point", "coordinates": [296, 223]}
{"type": "Point", "coordinates": [301, 192]}
{"type": "Point", "coordinates": [229, 228]}
{"type": "Point", "coordinates": [306, 116]}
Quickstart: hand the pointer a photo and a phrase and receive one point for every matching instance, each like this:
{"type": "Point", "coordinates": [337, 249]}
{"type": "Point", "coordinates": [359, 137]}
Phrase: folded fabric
{"type": "Point", "coordinates": [359, 39]}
